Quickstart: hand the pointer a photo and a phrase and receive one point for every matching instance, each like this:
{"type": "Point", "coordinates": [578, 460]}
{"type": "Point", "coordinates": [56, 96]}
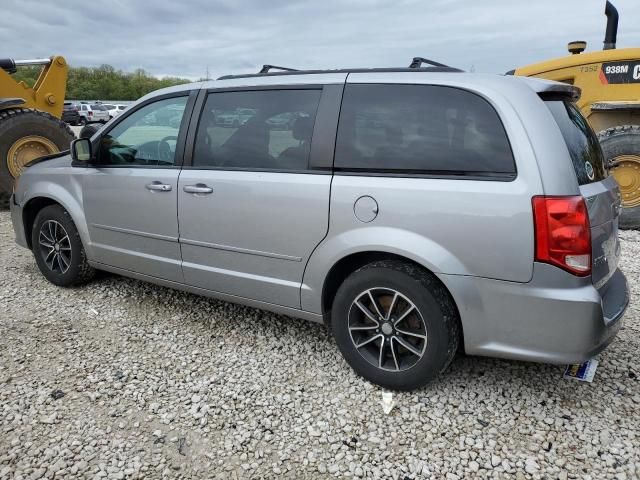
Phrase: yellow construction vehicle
{"type": "Point", "coordinates": [30, 124]}
{"type": "Point", "coordinates": [610, 100]}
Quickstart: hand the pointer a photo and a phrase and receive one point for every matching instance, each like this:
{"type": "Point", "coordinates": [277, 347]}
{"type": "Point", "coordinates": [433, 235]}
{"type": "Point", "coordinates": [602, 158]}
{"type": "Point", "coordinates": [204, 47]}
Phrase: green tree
{"type": "Point", "coordinates": [104, 82]}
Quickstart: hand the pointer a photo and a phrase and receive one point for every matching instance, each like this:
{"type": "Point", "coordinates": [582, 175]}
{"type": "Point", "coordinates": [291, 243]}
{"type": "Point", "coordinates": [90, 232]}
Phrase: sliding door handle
{"type": "Point", "coordinates": [158, 187]}
{"type": "Point", "coordinates": [198, 188]}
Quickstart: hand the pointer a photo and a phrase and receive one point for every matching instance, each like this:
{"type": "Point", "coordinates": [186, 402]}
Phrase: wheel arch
{"type": "Point", "coordinates": [35, 203]}
{"type": "Point", "coordinates": [348, 264]}
{"type": "Point", "coordinates": [372, 242]}
{"type": "Point", "coordinates": [30, 212]}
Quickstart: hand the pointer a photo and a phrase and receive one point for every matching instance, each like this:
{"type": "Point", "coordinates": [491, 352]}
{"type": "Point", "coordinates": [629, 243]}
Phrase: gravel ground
{"type": "Point", "coordinates": [123, 379]}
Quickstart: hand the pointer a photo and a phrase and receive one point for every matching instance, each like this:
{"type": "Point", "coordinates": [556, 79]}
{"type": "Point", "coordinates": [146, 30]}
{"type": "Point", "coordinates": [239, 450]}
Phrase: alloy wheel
{"type": "Point", "coordinates": [55, 246]}
{"type": "Point", "coordinates": [387, 329]}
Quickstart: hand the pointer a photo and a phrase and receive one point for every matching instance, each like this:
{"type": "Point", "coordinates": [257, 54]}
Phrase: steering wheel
{"type": "Point", "coordinates": [120, 158]}
{"type": "Point", "coordinates": [164, 149]}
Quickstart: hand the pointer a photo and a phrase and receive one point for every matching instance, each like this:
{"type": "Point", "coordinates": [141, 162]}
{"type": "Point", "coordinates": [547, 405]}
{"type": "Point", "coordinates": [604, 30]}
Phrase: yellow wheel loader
{"type": "Point", "coordinates": [30, 124]}
{"type": "Point", "coordinates": [610, 100]}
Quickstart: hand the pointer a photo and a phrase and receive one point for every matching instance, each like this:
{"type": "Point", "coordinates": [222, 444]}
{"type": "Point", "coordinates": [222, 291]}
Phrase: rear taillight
{"type": "Point", "coordinates": [90, 114]}
{"type": "Point", "coordinates": [563, 233]}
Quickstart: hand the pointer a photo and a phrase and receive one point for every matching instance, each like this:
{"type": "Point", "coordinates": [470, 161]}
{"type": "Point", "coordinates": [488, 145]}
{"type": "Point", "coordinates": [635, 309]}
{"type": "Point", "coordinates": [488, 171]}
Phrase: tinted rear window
{"type": "Point", "coordinates": [421, 129]}
{"type": "Point", "coordinates": [98, 107]}
{"type": "Point", "coordinates": [584, 149]}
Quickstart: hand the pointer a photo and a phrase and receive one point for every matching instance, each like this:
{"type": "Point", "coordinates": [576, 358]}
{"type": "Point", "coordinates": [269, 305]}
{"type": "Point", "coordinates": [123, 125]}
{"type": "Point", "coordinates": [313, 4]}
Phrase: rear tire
{"type": "Point", "coordinates": [57, 248]}
{"type": "Point", "coordinates": [621, 148]}
{"type": "Point", "coordinates": [16, 126]}
{"type": "Point", "coordinates": [423, 317]}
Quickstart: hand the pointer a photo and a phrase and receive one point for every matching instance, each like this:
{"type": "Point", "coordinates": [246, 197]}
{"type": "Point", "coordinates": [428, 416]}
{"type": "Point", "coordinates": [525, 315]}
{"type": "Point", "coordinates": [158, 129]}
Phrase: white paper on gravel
{"type": "Point", "coordinates": [387, 402]}
{"type": "Point", "coordinates": [583, 372]}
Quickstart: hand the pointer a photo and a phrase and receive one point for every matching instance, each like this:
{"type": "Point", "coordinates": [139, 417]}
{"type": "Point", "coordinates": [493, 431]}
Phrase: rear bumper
{"type": "Point", "coordinates": [18, 225]}
{"type": "Point", "coordinates": [555, 318]}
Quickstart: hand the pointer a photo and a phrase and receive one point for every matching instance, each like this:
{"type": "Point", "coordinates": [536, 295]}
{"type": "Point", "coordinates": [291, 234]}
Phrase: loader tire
{"type": "Point", "coordinates": [621, 148]}
{"type": "Point", "coordinates": [26, 134]}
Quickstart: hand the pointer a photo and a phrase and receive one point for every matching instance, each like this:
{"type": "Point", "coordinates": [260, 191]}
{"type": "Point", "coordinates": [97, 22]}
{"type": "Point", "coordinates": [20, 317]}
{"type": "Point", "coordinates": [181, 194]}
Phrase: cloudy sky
{"type": "Point", "coordinates": [185, 37]}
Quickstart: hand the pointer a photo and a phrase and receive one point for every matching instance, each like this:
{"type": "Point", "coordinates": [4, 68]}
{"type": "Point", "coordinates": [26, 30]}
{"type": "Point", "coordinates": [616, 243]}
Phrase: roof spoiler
{"type": "Point", "coordinates": [560, 91]}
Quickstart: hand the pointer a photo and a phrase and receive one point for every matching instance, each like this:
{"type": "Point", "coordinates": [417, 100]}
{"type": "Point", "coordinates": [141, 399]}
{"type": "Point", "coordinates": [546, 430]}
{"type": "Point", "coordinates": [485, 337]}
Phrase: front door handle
{"type": "Point", "coordinates": [198, 188]}
{"type": "Point", "coordinates": [158, 187]}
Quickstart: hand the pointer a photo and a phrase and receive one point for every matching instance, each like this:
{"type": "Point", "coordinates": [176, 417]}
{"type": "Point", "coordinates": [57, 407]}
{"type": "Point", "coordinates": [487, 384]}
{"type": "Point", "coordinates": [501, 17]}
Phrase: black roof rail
{"type": "Point", "coordinates": [418, 61]}
{"type": "Point", "coordinates": [267, 68]}
{"type": "Point", "coordinates": [343, 70]}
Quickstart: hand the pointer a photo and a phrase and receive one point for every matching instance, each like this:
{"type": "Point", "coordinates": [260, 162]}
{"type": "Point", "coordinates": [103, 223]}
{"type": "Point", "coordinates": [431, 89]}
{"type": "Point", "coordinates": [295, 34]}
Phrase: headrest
{"type": "Point", "coordinates": [302, 128]}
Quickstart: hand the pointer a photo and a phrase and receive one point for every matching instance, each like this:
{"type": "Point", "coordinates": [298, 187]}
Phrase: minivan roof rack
{"type": "Point", "coordinates": [418, 61]}
{"type": "Point", "coordinates": [267, 68]}
{"type": "Point", "coordinates": [343, 70]}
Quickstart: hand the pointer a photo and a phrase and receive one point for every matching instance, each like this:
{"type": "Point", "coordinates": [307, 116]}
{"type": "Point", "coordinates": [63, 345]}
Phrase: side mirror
{"type": "Point", "coordinates": [81, 150]}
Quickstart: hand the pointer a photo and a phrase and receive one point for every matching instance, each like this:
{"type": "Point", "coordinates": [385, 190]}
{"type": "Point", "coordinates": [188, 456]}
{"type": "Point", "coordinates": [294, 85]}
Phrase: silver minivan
{"type": "Point", "coordinates": [416, 212]}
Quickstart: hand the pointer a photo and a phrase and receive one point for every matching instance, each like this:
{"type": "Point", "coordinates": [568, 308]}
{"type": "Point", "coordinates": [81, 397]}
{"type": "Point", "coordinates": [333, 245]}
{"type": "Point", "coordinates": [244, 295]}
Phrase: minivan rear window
{"type": "Point", "coordinates": [421, 129]}
{"type": "Point", "coordinates": [584, 149]}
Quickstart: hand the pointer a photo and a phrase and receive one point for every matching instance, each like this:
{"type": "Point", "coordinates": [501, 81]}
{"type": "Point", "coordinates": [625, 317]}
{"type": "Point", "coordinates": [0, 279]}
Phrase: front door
{"type": "Point", "coordinates": [130, 196]}
{"type": "Point", "coordinates": [251, 208]}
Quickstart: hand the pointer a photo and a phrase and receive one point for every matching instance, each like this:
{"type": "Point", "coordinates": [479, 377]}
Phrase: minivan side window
{"type": "Point", "coordinates": [147, 137]}
{"type": "Point", "coordinates": [421, 129]}
{"type": "Point", "coordinates": [260, 129]}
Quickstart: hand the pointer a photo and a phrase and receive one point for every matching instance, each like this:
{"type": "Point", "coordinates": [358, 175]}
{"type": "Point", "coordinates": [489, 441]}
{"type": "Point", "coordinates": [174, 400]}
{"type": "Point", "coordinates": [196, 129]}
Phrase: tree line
{"type": "Point", "coordinates": [104, 82]}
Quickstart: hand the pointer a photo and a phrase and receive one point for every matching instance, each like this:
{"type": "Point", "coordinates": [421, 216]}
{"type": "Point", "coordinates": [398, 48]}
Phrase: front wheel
{"type": "Point", "coordinates": [621, 148]}
{"type": "Point", "coordinates": [57, 248]}
{"type": "Point", "coordinates": [395, 324]}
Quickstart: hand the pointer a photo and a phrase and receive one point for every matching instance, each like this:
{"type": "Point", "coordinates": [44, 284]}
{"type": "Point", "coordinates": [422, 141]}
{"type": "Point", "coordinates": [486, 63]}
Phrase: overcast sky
{"type": "Point", "coordinates": [184, 37]}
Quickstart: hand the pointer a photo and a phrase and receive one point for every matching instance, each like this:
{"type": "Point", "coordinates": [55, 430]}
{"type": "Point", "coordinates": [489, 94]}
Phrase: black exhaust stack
{"type": "Point", "coordinates": [612, 26]}
{"type": "Point", "coordinates": [8, 65]}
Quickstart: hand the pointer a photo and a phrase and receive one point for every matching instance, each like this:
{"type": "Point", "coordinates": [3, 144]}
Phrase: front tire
{"type": "Point", "coordinates": [621, 148]}
{"type": "Point", "coordinates": [58, 249]}
{"type": "Point", "coordinates": [395, 324]}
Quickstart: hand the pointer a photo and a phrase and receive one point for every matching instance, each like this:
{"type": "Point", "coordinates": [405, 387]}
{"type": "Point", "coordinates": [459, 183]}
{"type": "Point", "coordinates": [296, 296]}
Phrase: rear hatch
{"type": "Point", "coordinates": [599, 190]}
